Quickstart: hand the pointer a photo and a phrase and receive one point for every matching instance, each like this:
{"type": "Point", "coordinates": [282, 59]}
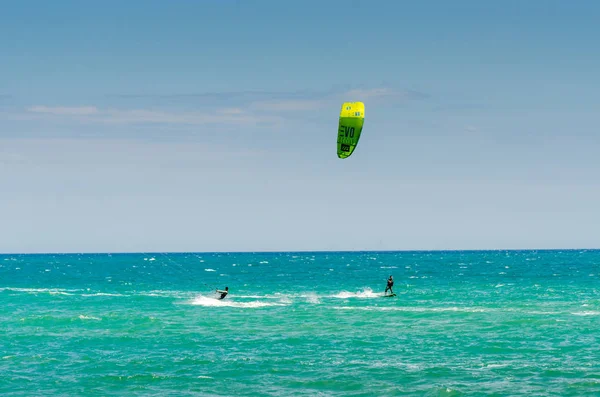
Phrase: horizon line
{"type": "Point", "coordinates": [304, 251]}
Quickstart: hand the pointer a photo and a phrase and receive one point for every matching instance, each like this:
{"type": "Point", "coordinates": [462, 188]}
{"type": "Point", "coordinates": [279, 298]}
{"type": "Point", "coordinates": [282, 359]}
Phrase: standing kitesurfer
{"type": "Point", "coordinates": [390, 284]}
{"type": "Point", "coordinates": [223, 293]}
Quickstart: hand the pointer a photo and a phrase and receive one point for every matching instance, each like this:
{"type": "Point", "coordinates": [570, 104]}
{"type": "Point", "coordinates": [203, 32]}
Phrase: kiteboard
{"type": "Point", "coordinates": [389, 296]}
{"type": "Point", "coordinates": [352, 119]}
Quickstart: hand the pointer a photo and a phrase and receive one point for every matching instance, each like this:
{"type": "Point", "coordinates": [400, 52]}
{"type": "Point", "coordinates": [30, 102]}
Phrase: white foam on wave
{"type": "Point", "coordinates": [365, 293]}
{"type": "Point", "coordinates": [103, 294]}
{"type": "Point", "coordinates": [587, 313]}
{"type": "Point", "coordinates": [312, 298]}
{"type": "Point", "coordinates": [213, 302]}
{"type": "Point", "coordinates": [209, 270]}
{"type": "Point", "coordinates": [52, 291]}
{"type": "Point", "coordinates": [491, 366]}
{"type": "Point", "coordinates": [414, 309]}
{"type": "Point", "coordinates": [83, 317]}
{"type": "Point", "coordinates": [60, 293]}
{"type": "Point", "coordinates": [165, 294]}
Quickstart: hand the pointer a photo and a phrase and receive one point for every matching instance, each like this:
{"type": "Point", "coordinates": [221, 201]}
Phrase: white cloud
{"type": "Point", "coordinates": [93, 114]}
{"type": "Point", "coordinates": [64, 111]}
{"type": "Point", "coordinates": [266, 109]}
{"type": "Point", "coordinates": [230, 111]}
{"type": "Point", "coordinates": [333, 99]}
{"type": "Point", "coordinates": [371, 93]}
{"type": "Point", "coordinates": [289, 105]}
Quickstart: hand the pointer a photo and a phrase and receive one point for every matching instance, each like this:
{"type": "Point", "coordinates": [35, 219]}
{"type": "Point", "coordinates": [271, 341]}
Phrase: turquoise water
{"type": "Point", "coordinates": [501, 323]}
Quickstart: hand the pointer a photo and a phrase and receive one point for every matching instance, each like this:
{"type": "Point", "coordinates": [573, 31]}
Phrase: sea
{"type": "Point", "coordinates": [462, 323]}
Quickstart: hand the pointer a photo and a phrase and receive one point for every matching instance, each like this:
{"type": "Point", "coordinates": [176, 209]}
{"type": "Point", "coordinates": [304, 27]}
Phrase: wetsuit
{"type": "Point", "coordinates": [390, 284]}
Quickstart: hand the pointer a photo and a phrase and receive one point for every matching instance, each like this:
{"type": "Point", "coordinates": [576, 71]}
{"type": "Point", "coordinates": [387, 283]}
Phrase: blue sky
{"type": "Point", "coordinates": [211, 125]}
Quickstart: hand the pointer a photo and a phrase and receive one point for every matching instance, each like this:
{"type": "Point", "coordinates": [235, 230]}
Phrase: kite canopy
{"type": "Point", "coordinates": [352, 118]}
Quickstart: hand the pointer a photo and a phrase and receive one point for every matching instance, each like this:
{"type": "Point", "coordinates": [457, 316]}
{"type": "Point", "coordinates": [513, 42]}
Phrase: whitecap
{"type": "Point", "coordinates": [365, 293]}
{"type": "Point", "coordinates": [312, 298]}
{"type": "Point", "coordinates": [414, 309]}
{"type": "Point", "coordinates": [213, 302]}
{"type": "Point", "coordinates": [102, 294]}
{"type": "Point", "coordinates": [587, 313]}
{"type": "Point", "coordinates": [83, 317]}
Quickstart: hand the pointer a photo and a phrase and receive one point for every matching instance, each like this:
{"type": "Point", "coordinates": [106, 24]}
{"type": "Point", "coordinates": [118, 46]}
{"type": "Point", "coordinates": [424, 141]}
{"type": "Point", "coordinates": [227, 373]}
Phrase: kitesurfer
{"type": "Point", "coordinates": [390, 284]}
{"type": "Point", "coordinates": [223, 293]}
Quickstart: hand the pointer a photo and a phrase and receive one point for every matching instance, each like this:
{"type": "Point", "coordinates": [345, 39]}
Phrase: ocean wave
{"type": "Point", "coordinates": [213, 302]}
{"type": "Point", "coordinates": [312, 298]}
{"type": "Point", "coordinates": [90, 294]}
{"type": "Point", "coordinates": [84, 317]}
{"type": "Point", "coordinates": [52, 291]}
{"type": "Point", "coordinates": [103, 294]}
{"type": "Point", "coordinates": [587, 313]}
{"type": "Point", "coordinates": [365, 293]}
{"type": "Point", "coordinates": [414, 309]}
